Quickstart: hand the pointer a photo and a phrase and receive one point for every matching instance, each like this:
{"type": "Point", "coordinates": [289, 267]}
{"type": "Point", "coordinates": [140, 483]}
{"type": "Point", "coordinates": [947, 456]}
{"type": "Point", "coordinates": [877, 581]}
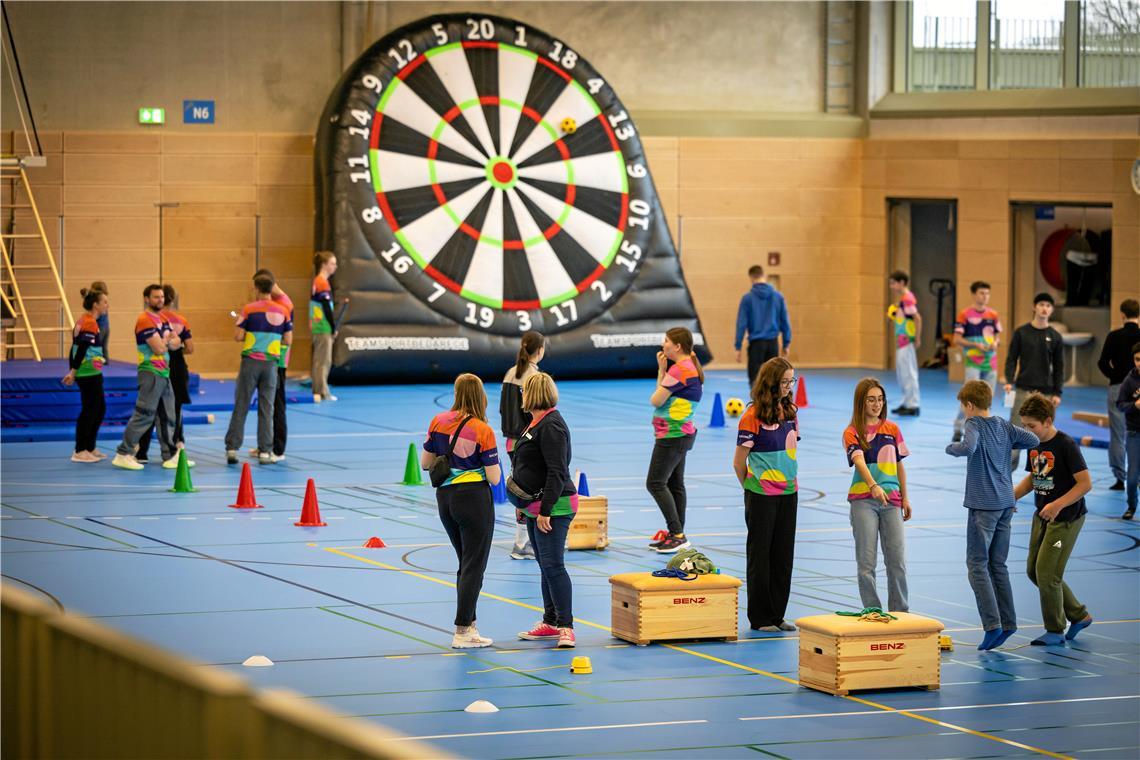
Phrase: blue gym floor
{"type": "Point", "coordinates": [366, 631]}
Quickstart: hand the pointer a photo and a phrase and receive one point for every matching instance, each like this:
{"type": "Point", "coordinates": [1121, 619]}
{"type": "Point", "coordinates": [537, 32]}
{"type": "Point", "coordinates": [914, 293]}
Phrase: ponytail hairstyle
{"type": "Point", "coordinates": [170, 294]}
{"type": "Point", "coordinates": [96, 287]}
{"type": "Point", "coordinates": [470, 398]}
{"type": "Point", "coordinates": [91, 297]}
{"type": "Point", "coordinates": [320, 258]}
{"type": "Point", "coordinates": [531, 343]}
{"type": "Point", "coordinates": [770, 405]}
{"type": "Point", "coordinates": [858, 413]}
{"type": "Point", "coordinates": [683, 338]}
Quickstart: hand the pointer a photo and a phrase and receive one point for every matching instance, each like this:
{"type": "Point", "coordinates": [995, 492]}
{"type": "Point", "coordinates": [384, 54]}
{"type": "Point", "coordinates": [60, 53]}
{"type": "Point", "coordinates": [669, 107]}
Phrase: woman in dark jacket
{"type": "Point", "coordinates": [514, 420]}
{"type": "Point", "coordinates": [542, 491]}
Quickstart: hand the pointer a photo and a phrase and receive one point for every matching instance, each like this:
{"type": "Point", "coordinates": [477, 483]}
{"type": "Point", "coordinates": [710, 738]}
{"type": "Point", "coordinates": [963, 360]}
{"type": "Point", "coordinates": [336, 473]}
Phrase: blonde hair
{"type": "Point", "coordinates": [539, 393]}
{"type": "Point", "coordinates": [470, 398]}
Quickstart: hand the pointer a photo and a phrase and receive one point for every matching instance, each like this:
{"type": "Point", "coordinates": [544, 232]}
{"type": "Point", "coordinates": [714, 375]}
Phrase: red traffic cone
{"type": "Point", "coordinates": [246, 498]}
{"type": "Point", "coordinates": [375, 543]}
{"type": "Point", "coordinates": [801, 393]}
{"type": "Point", "coordinates": [310, 510]}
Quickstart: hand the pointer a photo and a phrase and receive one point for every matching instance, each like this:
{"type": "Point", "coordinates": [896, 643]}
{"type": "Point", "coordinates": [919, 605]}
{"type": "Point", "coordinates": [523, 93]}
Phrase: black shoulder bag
{"type": "Point", "coordinates": [440, 469]}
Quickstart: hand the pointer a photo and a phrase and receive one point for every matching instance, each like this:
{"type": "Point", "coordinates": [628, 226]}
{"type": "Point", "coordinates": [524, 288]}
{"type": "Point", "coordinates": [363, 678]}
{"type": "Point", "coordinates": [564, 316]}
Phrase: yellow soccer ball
{"type": "Point", "coordinates": [569, 125]}
{"type": "Point", "coordinates": [734, 407]}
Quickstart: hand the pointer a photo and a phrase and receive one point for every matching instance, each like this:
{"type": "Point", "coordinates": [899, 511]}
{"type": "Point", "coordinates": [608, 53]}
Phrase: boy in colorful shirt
{"type": "Point", "coordinates": [908, 338]}
{"type": "Point", "coordinates": [153, 338]}
{"type": "Point", "coordinates": [987, 442]}
{"type": "Point", "coordinates": [280, 423]}
{"type": "Point", "coordinates": [977, 331]}
{"type": "Point", "coordinates": [323, 324]}
{"type": "Point", "coordinates": [264, 330]}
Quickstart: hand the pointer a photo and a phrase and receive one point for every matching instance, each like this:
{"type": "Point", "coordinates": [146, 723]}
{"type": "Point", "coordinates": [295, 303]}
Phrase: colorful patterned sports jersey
{"type": "Point", "coordinates": [474, 450]}
{"type": "Point", "coordinates": [887, 449]}
{"type": "Point", "coordinates": [903, 314]}
{"type": "Point", "coordinates": [86, 333]}
{"type": "Point", "coordinates": [264, 322]}
{"type": "Point", "coordinates": [979, 327]}
{"type": "Point", "coordinates": [772, 463]}
{"type": "Point", "coordinates": [178, 324]}
{"type": "Point", "coordinates": [322, 292]}
{"type": "Point", "coordinates": [149, 324]}
{"type": "Point", "coordinates": [566, 505]}
{"type": "Point", "coordinates": [286, 302]}
{"type": "Point", "coordinates": [674, 418]}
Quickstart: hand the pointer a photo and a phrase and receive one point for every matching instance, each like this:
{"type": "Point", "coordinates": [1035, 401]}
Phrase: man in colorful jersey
{"type": "Point", "coordinates": [908, 339]}
{"type": "Point", "coordinates": [265, 331]}
{"type": "Point", "coordinates": [977, 331]}
{"type": "Point", "coordinates": [179, 373]}
{"type": "Point", "coordinates": [153, 339]}
{"type": "Point", "coordinates": [280, 424]}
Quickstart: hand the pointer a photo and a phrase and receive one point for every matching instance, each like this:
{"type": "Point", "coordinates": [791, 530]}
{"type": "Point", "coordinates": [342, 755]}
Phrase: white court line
{"type": "Point", "coordinates": [942, 709]}
{"type": "Point", "coordinates": [551, 730]}
{"type": "Point", "coordinates": [186, 518]}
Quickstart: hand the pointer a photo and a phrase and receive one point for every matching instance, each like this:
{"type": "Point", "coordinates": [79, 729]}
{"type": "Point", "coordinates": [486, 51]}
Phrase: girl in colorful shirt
{"type": "Point", "coordinates": [514, 420]}
{"type": "Point", "coordinates": [322, 323]}
{"type": "Point", "coordinates": [879, 505]}
{"type": "Point", "coordinates": [765, 465]}
{"type": "Point", "coordinates": [464, 500]}
{"type": "Point", "coordinates": [86, 364]}
{"type": "Point", "coordinates": [674, 404]}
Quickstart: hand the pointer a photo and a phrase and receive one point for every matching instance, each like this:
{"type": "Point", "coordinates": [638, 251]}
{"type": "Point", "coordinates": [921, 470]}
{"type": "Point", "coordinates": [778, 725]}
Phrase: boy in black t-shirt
{"type": "Point", "coordinates": [1059, 479]}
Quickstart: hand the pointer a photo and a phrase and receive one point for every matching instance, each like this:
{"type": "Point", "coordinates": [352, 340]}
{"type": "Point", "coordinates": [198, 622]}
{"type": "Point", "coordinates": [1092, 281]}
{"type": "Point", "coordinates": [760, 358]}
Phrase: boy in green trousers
{"type": "Point", "coordinates": [1059, 480]}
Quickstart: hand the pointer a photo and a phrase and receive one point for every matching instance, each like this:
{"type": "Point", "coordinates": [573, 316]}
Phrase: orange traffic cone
{"type": "Point", "coordinates": [375, 543]}
{"type": "Point", "coordinates": [310, 510]}
{"type": "Point", "coordinates": [801, 393]}
{"type": "Point", "coordinates": [246, 498]}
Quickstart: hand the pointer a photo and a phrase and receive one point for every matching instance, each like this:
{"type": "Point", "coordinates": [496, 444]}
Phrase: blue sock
{"type": "Point", "coordinates": [1077, 627]}
{"type": "Point", "coordinates": [989, 641]}
{"type": "Point", "coordinates": [1048, 639]}
{"type": "Point", "coordinates": [1005, 634]}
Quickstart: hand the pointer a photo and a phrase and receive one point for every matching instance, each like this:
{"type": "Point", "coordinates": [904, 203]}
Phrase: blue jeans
{"type": "Point", "coordinates": [871, 522]}
{"type": "Point", "coordinates": [557, 591]}
{"type": "Point", "coordinates": [1116, 435]}
{"type": "Point", "coordinates": [987, 546]}
{"type": "Point", "coordinates": [1132, 444]}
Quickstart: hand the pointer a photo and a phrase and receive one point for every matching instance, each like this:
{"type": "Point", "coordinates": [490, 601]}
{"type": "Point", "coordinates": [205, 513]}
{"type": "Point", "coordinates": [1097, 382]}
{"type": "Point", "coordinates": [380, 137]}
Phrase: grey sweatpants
{"type": "Point", "coordinates": [322, 363]}
{"type": "Point", "coordinates": [259, 375]}
{"type": "Point", "coordinates": [153, 390]}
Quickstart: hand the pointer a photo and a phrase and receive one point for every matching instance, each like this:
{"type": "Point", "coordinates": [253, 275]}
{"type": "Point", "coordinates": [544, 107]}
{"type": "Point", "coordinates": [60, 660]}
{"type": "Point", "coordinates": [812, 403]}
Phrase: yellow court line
{"type": "Point", "coordinates": [730, 663]}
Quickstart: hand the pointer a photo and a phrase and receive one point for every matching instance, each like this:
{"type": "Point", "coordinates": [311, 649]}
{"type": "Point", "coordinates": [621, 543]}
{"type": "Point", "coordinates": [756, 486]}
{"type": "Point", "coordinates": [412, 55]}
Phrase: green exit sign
{"type": "Point", "coordinates": [152, 116]}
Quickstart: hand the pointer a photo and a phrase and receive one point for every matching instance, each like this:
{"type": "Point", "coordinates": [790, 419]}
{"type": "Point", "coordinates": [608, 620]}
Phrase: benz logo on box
{"type": "Point", "coordinates": [884, 647]}
{"type": "Point", "coordinates": [688, 600]}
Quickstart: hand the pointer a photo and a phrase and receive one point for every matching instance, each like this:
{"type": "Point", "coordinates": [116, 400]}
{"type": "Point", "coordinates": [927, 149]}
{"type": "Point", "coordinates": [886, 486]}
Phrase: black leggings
{"type": "Point", "coordinates": [771, 549]}
{"type": "Point", "coordinates": [468, 516]}
{"type": "Point", "coordinates": [94, 407]}
{"type": "Point", "coordinates": [666, 479]}
{"type": "Point", "coordinates": [280, 428]}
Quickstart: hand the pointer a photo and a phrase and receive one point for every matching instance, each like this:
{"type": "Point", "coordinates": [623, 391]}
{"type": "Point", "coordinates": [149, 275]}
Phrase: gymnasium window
{"type": "Point", "coordinates": [1110, 43]}
{"type": "Point", "coordinates": [943, 38]}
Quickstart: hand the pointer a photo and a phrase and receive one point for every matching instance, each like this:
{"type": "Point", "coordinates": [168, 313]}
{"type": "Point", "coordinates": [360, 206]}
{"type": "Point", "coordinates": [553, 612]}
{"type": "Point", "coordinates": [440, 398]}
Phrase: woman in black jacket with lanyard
{"type": "Point", "coordinates": [541, 489]}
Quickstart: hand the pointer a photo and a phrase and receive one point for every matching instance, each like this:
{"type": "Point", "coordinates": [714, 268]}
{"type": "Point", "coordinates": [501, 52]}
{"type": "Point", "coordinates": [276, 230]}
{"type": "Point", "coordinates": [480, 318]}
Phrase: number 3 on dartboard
{"type": "Point", "coordinates": [484, 317]}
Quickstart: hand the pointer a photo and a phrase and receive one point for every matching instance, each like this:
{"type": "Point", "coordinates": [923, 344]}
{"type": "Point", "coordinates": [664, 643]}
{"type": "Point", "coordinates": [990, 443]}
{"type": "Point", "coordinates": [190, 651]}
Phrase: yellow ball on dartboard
{"type": "Point", "coordinates": [734, 407]}
{"type": "Point", "coordinates": [569, 125]}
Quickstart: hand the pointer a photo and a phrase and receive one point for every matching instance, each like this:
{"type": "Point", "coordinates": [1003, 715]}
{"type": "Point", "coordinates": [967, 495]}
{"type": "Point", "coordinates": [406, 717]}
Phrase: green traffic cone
{"type": "Point", "coordinates": [412, 474]}
{"type": "Point", "coordinates": [182, 482]}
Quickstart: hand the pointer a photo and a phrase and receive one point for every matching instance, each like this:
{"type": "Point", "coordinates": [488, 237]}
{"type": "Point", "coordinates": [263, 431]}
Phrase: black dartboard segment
{"type": "Point", "coordinates": [494, 176]}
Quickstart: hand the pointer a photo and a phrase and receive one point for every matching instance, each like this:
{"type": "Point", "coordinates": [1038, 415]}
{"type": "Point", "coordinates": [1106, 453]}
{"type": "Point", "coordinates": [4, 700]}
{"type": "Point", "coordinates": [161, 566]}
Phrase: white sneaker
{"type": "Point", "coordinates": [85, 457]}
{"type": "Point", "coordinates": [279, 457]}
{"type": "Point", "coordinates": [470, 639]}
{"type": "Point", "coordinates": [330, 397]}
{"type": "Point", "coordinates": [172, 463]}
{"type": "Point", "coordinates": [520, 554]}
{"type": "Point", "coordinates": [126, 462]}
{"type": "Point", "coordinates": [267, 457]}
{"type": "Point", "coordinates": [231, 456]}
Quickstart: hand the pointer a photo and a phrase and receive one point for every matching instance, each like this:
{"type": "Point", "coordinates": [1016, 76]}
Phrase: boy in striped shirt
{"type": "Point", "coordinates": [987, 443]}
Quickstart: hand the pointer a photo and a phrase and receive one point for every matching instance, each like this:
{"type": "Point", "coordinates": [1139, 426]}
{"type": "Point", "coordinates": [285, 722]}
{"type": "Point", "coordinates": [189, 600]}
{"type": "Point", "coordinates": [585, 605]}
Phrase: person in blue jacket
{"type": "Point", "coordinates": [763, 315]}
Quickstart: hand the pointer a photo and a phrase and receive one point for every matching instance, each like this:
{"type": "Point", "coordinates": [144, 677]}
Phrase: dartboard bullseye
{"type": "Point", "coordinates": [495, 174]}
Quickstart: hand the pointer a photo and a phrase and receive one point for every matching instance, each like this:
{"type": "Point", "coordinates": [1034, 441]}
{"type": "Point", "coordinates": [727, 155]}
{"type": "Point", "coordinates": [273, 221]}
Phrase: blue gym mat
{"type": "Point", "coordinates": [367, 631]}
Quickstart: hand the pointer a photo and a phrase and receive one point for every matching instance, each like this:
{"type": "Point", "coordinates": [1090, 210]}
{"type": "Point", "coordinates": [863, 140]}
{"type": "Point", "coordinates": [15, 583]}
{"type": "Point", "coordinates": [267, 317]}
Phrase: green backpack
{"type": "Point", "coordinates": [692, 561]}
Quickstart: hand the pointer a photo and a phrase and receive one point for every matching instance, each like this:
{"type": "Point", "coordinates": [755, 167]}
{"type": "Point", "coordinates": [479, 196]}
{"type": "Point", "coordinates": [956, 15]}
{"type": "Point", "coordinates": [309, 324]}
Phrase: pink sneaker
{"type": "Point", "coordinates": [541, 632]}
{"type": "Point", "coordinates": [566, 638]}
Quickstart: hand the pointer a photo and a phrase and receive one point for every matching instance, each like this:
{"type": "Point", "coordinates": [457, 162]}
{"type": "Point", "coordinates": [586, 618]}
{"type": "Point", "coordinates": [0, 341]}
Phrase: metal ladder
{"type": "Point", "coordinates": [17, 296]}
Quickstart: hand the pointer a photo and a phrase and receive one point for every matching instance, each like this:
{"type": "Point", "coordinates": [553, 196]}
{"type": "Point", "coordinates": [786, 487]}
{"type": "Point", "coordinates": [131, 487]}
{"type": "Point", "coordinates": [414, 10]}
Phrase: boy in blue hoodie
{"type": "Point", "coordinates": [987, 443]}
{"type": "Point", "coordinates": [763, 315]}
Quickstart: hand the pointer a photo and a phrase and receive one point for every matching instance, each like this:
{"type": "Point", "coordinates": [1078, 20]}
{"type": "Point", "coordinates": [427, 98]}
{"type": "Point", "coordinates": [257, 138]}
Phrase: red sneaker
{"type": "Point", "coordinates": [541, 632]}
{"type": "Point", "coordinates": [658, 537]}
{"type": "Point", "coordinates": [566, 638]}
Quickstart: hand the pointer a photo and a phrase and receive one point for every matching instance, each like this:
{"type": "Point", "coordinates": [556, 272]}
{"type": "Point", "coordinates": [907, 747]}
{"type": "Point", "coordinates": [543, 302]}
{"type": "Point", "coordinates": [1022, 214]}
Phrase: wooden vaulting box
{"type": "Point", "coordinates": [590, 527]}
{"type": "Point", "coordinates": [839, 654]}
{"type": "Point", "coordinates": [645, 608]}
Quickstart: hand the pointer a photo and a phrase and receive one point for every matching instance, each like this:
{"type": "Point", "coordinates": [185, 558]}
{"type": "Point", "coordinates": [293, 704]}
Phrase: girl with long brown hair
{"type": "Point", "coordinates": [86, 370]}
{"type": "Point", "coordinates": [765, 465]}
{"type": "Point", "coordinates": [675, 402]}
{"type": "Point", "coordinates": [464, 499]}
{"type": "Point", "coordinates": [877, 495]}
{"type": "Point", "coordinates": [532, 348]}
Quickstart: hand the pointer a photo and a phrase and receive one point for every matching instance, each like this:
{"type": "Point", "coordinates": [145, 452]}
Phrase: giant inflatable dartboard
{"type": "Point", "coordinates": [477, 178]}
